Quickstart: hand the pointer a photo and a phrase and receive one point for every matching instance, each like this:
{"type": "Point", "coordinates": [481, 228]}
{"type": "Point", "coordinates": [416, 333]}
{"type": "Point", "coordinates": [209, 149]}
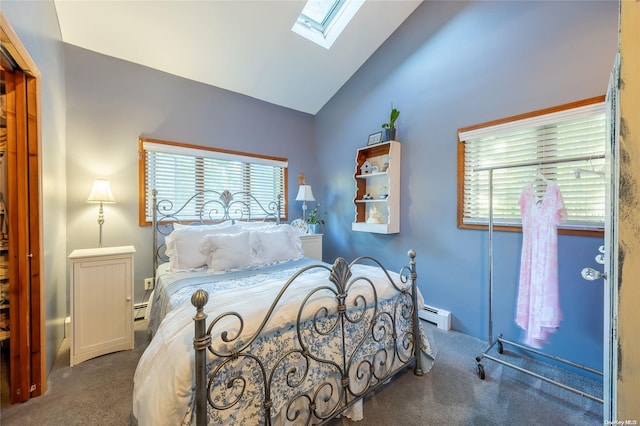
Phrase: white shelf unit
{"type": "Point", "coordinates": [377, 184]}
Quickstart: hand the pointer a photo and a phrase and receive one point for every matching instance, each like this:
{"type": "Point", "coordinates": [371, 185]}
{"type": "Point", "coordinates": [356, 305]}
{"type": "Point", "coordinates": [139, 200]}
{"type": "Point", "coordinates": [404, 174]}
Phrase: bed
{"type": "Point", "coordinates": [289, 340]}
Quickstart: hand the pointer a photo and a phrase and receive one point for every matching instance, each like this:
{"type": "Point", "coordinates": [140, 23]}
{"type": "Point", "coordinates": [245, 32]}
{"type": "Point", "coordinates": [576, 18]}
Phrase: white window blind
{"type": "Point", "coordinates": [177, 172]}
{"type": "Point", "coordinates": [556, 137]}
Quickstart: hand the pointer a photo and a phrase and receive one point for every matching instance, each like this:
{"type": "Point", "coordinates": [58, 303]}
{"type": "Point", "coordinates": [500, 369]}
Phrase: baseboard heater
{"type": "Point", "coordinates": [140, 308]}
{"type": "Point", "coordinates": [141, 305]}
{"type": "Point", "coordinates": [436, 316]}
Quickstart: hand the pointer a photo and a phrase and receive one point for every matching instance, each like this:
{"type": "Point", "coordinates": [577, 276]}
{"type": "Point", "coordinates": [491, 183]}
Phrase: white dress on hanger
{"type": "Point", "coordinates": [538, 307]}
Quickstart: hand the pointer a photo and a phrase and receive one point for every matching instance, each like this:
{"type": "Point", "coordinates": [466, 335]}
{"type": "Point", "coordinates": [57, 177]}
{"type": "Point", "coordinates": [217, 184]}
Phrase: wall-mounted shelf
{"type": "Point", "coordinates": [377, 197]}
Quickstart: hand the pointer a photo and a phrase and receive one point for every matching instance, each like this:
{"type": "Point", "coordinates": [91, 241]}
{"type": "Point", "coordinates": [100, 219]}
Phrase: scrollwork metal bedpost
{"type": "Point", "coordinates": [200, 343]}
{"type": "Point", "coordinates": [416, 320]}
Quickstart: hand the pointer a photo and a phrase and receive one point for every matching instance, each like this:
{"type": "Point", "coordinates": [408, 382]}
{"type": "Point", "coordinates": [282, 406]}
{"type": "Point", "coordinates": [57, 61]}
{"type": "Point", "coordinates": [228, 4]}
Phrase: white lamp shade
{"type": "Point", "coordinates": [305, 193]}
{"type": "Point", "coordinates": [101, 192]}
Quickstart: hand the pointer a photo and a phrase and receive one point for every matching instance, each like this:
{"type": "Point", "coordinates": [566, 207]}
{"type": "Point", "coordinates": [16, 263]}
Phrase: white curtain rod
{"type": "Point", "coordinates": [540, 163]}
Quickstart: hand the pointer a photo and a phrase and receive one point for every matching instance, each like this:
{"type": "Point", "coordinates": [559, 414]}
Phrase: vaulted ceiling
{"type": "Point", "coordinates": [243, 46]}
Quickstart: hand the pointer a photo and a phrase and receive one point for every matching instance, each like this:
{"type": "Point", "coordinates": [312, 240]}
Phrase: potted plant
{"type": "Point", "coordinates": [314, 220]}
{"type": "Point", "coordinates": [389, 129]}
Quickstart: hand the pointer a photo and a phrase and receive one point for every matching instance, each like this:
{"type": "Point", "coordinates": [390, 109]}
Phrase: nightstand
{"type": "Point", "coordinates": [101, 302]}
{"type": "Point", "coordinates": [312, 245]}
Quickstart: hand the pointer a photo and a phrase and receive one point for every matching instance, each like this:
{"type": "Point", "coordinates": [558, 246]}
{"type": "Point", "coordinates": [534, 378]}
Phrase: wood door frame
{"type": "Point", "coordinates": [35, 332]}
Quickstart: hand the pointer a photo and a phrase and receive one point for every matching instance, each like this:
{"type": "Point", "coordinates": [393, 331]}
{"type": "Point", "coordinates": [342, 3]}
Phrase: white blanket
{"type": "Point", "coordinates": [163, 382]}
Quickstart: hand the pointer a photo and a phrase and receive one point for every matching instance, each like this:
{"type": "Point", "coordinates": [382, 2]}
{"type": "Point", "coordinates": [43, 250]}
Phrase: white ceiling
{"type": "Point", "coordinates": [239, 45]}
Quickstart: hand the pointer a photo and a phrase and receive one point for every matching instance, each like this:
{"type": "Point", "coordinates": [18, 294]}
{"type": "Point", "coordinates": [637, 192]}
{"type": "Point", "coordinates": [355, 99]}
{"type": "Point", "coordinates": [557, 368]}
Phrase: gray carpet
{"type": "Point", "coordinates": [452, 394]}
{"type": "Point", "coordinates": [98, 392]}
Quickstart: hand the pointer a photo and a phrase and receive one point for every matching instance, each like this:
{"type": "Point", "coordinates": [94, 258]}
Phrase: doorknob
{"type": "Point", "coordinates": [600, 257]}
{"type": "Point", "coordinates": [591, 274]}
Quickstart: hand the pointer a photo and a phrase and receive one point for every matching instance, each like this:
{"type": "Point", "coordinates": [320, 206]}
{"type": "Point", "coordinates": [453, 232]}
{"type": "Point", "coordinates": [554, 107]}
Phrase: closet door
{"type": "Point", "coordinates": [22, 213]}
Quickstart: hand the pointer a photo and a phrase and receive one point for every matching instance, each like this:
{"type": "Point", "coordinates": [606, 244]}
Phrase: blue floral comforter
{"type": "Point", "coordinates": [281, 350]}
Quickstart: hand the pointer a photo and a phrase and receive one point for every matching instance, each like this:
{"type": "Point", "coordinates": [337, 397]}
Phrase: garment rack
{"type": "Point", "coordinates": [500, 341]}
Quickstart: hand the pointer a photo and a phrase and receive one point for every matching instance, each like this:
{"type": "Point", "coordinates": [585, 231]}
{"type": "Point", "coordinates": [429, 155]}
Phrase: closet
{"type": "Point", "coordinates": [20, 263]}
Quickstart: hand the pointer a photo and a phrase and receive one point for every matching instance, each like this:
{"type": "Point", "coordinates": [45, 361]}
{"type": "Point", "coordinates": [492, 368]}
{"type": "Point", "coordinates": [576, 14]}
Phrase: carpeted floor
{"type": "Point", "coordinates": [452, 394]}
{"type": "Point", "coordinates": [98, 392]}
{"type": "Point", "coordinates": [94, 392]}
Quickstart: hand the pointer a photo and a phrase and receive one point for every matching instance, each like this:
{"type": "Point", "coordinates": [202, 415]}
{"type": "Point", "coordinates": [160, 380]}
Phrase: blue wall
{"type": "Point", "coordinates": [451, 65]}
{"type": "Point", "coordinates": [111, 103]}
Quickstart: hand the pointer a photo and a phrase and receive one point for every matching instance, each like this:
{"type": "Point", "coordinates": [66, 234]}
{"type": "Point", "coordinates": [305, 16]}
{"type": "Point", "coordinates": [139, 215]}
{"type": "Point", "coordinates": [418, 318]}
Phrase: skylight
{"type": "Point", "coordinates": [322, 21]}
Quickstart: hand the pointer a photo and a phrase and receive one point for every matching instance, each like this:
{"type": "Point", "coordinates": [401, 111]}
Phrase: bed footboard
{"type": "Point", "coordinates": [370, 338]}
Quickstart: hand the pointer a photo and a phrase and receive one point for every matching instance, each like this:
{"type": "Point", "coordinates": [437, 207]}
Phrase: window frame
{"type": "Point", "coordinates": [144, 192]}
{"type": "Point", "coordinates": [595, 232]}
{"type": "Point", "coordinates": [326, 33]}
{"type": "Point", "coordinates": [327, 19]}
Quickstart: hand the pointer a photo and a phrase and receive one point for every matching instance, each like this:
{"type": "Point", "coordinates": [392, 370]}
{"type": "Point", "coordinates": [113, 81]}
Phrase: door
{"type": "Point", "coordinates": [609, 256]}
{"type": "Point", "coordinates": [22, 225]}
{"type": "Point", "coordinates": [611, 248]}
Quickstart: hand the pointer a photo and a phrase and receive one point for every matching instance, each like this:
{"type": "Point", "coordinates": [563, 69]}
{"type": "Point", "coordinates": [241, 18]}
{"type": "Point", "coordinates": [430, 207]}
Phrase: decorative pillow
{"type": "Point", "coordinates": [279, 245]}
{"type": "Point", "coordinates": [183, 246]}
{"type": "Point", "coordinates": [228, 251]}
{"type": "Point", "coordinates": [296, 242]}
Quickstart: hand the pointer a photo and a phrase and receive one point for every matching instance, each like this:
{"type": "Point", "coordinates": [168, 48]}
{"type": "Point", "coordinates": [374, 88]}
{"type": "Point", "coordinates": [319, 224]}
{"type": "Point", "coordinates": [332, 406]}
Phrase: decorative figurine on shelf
{"type": "Point", "coordinates": [374, 215]}
{"type": "Point", "coordinates": [365, 169]}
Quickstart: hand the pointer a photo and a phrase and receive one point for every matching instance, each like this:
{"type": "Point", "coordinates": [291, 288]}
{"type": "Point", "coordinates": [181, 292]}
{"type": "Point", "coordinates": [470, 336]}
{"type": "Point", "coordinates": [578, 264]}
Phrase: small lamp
{"type": "Point", "coordinates": [101, 193]}
{"type": "Point", "coordinates": [304, 194]}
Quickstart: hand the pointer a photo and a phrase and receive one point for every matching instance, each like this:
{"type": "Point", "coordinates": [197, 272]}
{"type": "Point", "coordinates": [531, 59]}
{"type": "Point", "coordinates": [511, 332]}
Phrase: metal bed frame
{"type": "Point", "coordinates": [398, 347]}
{"type": "Point", "coordinates": [500, 341]}
{"type": "Point", "coordinates": [395, 331]}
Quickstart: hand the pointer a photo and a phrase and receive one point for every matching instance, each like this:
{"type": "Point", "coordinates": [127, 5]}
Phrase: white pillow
{"type": "Point", "coordinates": [183, 246]}
{"type": "Point", "coordinates": [279, 245]}
{"type": "Point", "coordinates": [296, 242]}
{"type": "Point", "coordinates": [228, 251]}
{"type": "Point", "coordinates": [256, 226]}
{"type": "Point", "coordinates": [201, 226]}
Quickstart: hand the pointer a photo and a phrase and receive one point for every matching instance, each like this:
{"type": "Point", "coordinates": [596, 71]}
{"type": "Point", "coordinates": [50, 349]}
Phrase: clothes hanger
{"type": "Point", "coordinates": [578, 171]}
{"type": "Point", "coordinates": [540, 175]}
{"type": "Point", "coordinates": [540, 184]}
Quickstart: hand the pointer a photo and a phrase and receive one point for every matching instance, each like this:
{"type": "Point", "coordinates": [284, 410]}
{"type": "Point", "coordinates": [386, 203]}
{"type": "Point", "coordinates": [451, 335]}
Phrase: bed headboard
{"type": "Point", "coordinates": [206, 206]}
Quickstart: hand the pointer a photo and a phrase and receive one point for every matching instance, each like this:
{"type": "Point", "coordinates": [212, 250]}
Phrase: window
{"type": "Point", "coordinates": [549, 141]}
{"type": "Point", "coordinates": [322, 21]}
{"type": "Point", "coordinates": [178, 171]}
{"type": "Point", "coordinates": [319, 13]}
